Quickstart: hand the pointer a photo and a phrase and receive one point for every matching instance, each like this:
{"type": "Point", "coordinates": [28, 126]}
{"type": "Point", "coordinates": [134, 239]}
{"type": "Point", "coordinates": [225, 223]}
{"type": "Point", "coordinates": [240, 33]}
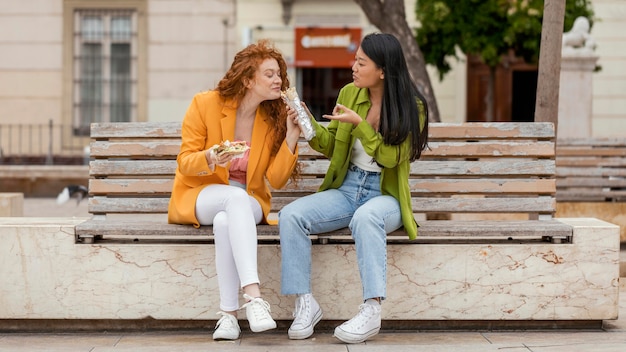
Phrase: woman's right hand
{"type": "Point", "coordinates": [214, 159]}
{"type": "Point", "coordinates": [343, 114]}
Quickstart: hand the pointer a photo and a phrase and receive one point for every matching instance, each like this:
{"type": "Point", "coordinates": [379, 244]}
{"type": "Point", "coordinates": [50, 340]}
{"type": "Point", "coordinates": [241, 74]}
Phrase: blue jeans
{"type": "Point", "coordinates": [357, 204]}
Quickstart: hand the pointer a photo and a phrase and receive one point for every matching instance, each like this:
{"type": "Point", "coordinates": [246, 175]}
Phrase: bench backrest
{"type": "Point", "coordinates": [591, 170]}
{"type": "Point", "coordinates": [469, 168]}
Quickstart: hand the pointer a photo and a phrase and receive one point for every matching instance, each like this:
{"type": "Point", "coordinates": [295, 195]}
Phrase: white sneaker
{"type": "Point", "coordinates": [307, 314]}
{"type": "Point", "coordinates": [363, 326]}
{"type": "Point", "coordinates": [227, 328]}
{"type": "Point", "coordinates": [258, 314]}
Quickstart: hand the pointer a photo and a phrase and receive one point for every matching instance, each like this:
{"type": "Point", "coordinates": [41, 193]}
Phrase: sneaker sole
{"type": "Point", "coordinates": [305, 333]}
{"type": "Point", "coordinates": [264, 327]}
{"type": "Point", "coordinates": [353, 338]}
{"type": "Point", "coordinates": [224, 337]}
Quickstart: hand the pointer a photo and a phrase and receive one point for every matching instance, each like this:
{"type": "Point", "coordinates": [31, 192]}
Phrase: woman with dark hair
{"type": "Point", "coordinates": [230, 191]}
{"type": "Point", "coordinates": [378, 127]}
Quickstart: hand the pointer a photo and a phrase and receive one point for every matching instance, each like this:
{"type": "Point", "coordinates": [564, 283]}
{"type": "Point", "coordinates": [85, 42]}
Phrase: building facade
{"type": "Point", "coordinates": [72, 62]}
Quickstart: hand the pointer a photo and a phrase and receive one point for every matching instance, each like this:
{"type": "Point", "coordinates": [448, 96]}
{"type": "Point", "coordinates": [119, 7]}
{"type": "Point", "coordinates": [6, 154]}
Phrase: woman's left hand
{"type": "Point", "coordinates": [293, 129]}
{"type": "Point", "coordinates": [343, 114]}
{"type": "Point", "coordinates": [292, 119]}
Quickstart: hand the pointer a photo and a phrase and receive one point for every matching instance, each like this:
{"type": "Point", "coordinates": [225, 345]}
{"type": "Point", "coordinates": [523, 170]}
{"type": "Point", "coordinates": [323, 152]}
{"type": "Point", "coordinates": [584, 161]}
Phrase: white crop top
{"type": "Point", "coordinates": [361, 159]}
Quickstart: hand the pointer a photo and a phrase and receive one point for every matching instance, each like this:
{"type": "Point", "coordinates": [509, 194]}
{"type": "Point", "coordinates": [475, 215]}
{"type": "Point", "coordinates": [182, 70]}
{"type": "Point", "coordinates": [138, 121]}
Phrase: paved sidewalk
{"type": "Point", "coordinates": [610, 338]}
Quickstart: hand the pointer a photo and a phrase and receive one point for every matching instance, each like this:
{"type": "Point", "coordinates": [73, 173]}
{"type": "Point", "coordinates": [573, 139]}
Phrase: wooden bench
{"type": "Point", "coordinates": [503, 173]}
{"type": "Point", "coordinates": [591, 170]}
{"type": "Point", "coordinates": [591, 179]}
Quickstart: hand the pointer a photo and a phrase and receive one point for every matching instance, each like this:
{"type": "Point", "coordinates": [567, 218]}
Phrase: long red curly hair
{"type": "Point", "coordinates": [243, 69]}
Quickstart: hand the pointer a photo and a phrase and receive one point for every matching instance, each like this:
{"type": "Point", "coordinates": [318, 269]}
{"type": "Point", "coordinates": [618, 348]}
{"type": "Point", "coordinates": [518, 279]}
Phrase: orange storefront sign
{"type": "Point", "coordinates": [326, 47]}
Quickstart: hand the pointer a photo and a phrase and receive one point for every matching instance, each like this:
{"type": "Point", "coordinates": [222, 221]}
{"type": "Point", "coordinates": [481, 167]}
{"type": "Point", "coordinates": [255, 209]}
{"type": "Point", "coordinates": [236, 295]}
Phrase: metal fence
{"type": "Point", "coordinates": [47, 143]}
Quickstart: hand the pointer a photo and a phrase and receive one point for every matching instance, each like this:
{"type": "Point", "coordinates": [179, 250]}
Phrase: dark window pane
{"type": "Point", "coordinates": [91, 84]}
{"type": "Point", "coordinates": [120, 83]}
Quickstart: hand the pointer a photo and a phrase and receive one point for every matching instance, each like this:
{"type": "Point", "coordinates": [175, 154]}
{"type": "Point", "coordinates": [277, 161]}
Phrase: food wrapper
{"type": "Point", "coordinates": [236, 153]}
{"type": "Point", "coordinates": [290, 96]}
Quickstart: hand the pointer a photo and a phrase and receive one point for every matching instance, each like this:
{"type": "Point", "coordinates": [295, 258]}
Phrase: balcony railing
{"type": "Point", "coordinates": [42, 144]}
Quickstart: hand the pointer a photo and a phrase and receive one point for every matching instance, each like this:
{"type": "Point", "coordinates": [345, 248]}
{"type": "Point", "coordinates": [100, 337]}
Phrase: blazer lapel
{"type": "Point", "coordinates": [229, 116]}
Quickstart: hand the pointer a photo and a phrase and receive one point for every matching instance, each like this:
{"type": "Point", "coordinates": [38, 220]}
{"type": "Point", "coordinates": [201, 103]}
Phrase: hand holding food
{"type": "Point", "coordinates": [232, 148]}
{"type": "Point", "coordinates": [221, 154]}
{"type": "Point", "coordinates": [291, 98]}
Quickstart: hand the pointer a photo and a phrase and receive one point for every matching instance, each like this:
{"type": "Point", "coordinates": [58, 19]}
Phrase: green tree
{"type": "Point", "coordinates": [488, 29]}
{"type": "Point", "coordinates": [389, 16]}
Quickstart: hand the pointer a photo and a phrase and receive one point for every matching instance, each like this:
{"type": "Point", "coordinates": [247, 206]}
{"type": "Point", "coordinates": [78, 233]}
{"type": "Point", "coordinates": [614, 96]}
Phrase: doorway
{"type": "Point", "coordinates": [321, 86]}
{"type": "Point", "coordinates": [514, 93]}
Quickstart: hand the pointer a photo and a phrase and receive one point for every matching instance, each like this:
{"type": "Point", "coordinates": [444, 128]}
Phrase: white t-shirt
{"type": "Point", "coordinates": [362, 160]}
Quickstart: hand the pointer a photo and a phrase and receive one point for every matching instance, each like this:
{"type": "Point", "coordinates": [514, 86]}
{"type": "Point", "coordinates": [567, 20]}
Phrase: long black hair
{"type": "Point", "coordinates": [404, 112]}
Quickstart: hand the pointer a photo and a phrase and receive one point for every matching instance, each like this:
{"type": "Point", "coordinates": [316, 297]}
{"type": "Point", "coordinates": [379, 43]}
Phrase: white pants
{"type": "Point", "coordinates": [234, 215]}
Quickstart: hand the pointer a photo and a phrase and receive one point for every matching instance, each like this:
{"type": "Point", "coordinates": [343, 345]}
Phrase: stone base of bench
{"type": "Point", "coordinates": [45, 275]}
{"type": "Point", "coordinates": [613, 212]}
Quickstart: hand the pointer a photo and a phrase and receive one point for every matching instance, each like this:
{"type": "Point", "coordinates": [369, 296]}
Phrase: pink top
{"type": "Point", "coordinates": [239, 167]}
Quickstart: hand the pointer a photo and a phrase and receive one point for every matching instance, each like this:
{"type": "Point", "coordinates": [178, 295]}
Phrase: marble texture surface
{"type": "Point", "coordinates": [44, 275]}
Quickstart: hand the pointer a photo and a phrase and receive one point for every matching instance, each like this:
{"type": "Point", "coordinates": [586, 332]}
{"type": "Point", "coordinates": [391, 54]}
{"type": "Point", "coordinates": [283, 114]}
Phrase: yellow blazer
{"type": "Point", "coordinates": [209, 120]}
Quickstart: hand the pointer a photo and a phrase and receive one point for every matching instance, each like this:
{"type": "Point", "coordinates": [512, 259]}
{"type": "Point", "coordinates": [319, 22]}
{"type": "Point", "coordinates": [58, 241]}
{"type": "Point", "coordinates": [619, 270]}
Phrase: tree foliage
{"type": "Point", "coordinates": [389, 17]}
{"type": "Point", "coordinates": [486, 28]}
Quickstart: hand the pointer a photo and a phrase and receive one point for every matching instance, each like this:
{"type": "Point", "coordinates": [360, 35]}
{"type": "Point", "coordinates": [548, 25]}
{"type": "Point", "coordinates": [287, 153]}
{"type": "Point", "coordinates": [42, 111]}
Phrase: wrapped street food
{"type": "Point", "coordinates": [236, 148]}
{"type": "Point", "coordinates": [290, 96]}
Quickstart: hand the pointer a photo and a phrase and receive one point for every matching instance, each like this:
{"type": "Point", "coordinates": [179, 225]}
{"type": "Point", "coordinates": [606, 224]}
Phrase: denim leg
{"type": "Point", "coordinates": [370, 225]}
{"type": "Point", "coordinates": [316, 213]}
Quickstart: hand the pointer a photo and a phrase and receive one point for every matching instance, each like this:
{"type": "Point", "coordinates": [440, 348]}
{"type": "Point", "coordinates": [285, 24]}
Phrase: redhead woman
{"type": "Point", "coordinates": [231, 191]}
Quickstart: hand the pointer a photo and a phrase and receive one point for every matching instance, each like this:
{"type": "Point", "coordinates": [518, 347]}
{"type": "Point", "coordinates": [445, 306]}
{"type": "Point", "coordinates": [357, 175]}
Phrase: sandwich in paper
{"type": "Point", "coordinates": [236, 148]}
{"type": "Point", "coordinates": [290, 96]}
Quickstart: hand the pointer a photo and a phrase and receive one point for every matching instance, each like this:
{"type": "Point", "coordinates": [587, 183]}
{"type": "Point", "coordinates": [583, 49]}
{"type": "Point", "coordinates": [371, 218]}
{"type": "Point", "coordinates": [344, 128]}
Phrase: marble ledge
{"type": "Point", "coordinates": [44, 275]}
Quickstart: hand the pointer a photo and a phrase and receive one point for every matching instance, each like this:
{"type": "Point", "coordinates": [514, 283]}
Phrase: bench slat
{"type": "Point", "coordinates": [587, 163]}
{"type": "Point", "coordinates": [592, 151]}
{"type": "Point", "coordinates": [591, 182]}
{"type": "Point", "coordinates": [484, 205]}
{"type": "Point", "coordinates": [135, 130]}
{"type": "Point", "coordinates": [487, 168]}
{"type": "Point", "coordinates": [101, 205]}
{"type": "Point", "coordinates": [113, 186]}
{"type": "Point", "coordinates": [144, 149]}
{"type": "Point", "coordinates": [428, 229]}
{"type": "Point", "coordinates": [501, 130]}
{"type": "Point", "coordinates": [592, 172]}
{"type": "Point", "coordinates": [489, 148]}
{"type": "Point", "coordinates": [587, 142]}
{"type": "Point", "coordinates": [122, 186]}
{"type": "Point", "coordinates": [102, 168]}
{"type": "Point", "coordinates": [483, 168]}
{"type": "Point", "coordinates": [171, 147]}
{"type": "Point", "coordinates": [574, 195]}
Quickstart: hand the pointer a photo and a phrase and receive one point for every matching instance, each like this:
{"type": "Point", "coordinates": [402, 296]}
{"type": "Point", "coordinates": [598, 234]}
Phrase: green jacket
{"type": "Point", "coordinates": [336, 140]}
